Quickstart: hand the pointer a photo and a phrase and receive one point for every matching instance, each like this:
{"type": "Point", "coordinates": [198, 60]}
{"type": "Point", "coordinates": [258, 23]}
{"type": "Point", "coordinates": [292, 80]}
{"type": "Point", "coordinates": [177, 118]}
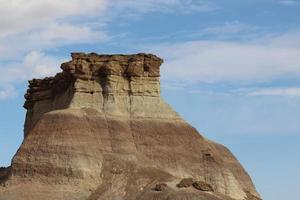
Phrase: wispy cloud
{"type": "Point", "coordinates": [21, 15]}
{"type": "Point", "coordinates": [34, 65]}
{"type": "Point", "coordinates": [37, 25]}
{"type": "Point", "coordinates": [294, 91]}
{"type": "Point", "coordinates": [216, 61]}
{"type": "Point", "coordinates": [230, 27]}
{"type": "Point", "coordinates": [290, 2]}
{"type": "Point", "coordinates": [182, 6]}
{"type": "Point", "coordinates": [32, 27]}
{"type": "Point", "coordinates": [7, 92]}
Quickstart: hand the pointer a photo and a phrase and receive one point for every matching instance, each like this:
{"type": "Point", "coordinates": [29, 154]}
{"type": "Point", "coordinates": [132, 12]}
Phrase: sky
{"type": "Point", "coordinates": [232, 68]}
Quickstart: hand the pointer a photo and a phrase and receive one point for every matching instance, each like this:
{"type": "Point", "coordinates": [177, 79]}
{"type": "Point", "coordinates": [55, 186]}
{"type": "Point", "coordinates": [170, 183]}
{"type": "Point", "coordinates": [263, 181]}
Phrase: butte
{"type": "Point", "coordinates": [100, 130]}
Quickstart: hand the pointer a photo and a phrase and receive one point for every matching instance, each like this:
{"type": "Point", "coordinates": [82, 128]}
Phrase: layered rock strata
{"type": "Point", "coordinates": [100, 130]}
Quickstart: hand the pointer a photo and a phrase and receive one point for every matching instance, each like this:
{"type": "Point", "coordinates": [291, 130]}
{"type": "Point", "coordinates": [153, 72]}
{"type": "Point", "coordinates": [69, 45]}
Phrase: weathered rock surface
{"type": "Point", "coordinates": [100, 131]}
{"type": "Point", "coordinates": [4, 173]}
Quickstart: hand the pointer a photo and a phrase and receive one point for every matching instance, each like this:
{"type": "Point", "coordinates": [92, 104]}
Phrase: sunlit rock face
{"type": "Point", "coordinates": [99, 130]}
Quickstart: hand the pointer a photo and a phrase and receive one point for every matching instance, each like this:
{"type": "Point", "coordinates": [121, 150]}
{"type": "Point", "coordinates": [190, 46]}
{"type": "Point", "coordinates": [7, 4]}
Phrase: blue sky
{"type": "Point", "coordinates": [232, 68]}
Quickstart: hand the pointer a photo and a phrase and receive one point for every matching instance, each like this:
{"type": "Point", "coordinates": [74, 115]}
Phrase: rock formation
{"type": "Point", "coordinates": [101, 131]}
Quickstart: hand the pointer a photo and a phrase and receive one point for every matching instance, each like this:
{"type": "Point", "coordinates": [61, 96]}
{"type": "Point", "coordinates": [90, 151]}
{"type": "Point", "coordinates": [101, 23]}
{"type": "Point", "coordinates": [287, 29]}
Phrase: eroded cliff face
{"type": "Point", "coordinates": [100, 130]}
{"type": "Point", "coordinates": [115, 85]}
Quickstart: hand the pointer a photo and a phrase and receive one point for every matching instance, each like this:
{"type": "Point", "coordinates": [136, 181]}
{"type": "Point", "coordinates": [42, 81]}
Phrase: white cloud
{"type": "Point", "coordinates": [26, 15]}
{"type": "Point", "coordinates": [276, 92]}
{"type": "Point", "coordinates": [7, 92]}
{"type": "Point", "coordinates": [55, 36]}
{"type": "Point", "coordinates": [290, 2]}
{"type": "Point", "coordinates": [34, 65]}
{"type": "Point", "coordinates": [232, 27]}
{"type": "Point", "coordinates": [183, 6]}
{"type": "Point", "coordinates": [36, 25]}
{"type": "Point", "coordinates": [38, 65]}
{"type": "Point", "coordinates": [217, 61]}
{"type": "Point", "coordinates": [30, 27]}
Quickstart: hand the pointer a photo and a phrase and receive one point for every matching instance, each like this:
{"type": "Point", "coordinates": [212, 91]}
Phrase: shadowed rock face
{"type": "Point", "coordinates": [100, 131]}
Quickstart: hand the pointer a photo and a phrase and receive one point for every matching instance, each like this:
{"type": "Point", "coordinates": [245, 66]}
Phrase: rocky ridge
{"type": "Point", "coordinates": [100, 130]}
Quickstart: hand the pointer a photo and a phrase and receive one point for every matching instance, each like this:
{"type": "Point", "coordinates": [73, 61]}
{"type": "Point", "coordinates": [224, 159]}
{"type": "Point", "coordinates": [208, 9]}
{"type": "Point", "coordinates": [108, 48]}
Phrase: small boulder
{"type": "Point", "coordinates": [186, 182]}
{"type": "Point", "coordinates": [200, 185]}
{"type": "Point", "coordinates": [160, 187]}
